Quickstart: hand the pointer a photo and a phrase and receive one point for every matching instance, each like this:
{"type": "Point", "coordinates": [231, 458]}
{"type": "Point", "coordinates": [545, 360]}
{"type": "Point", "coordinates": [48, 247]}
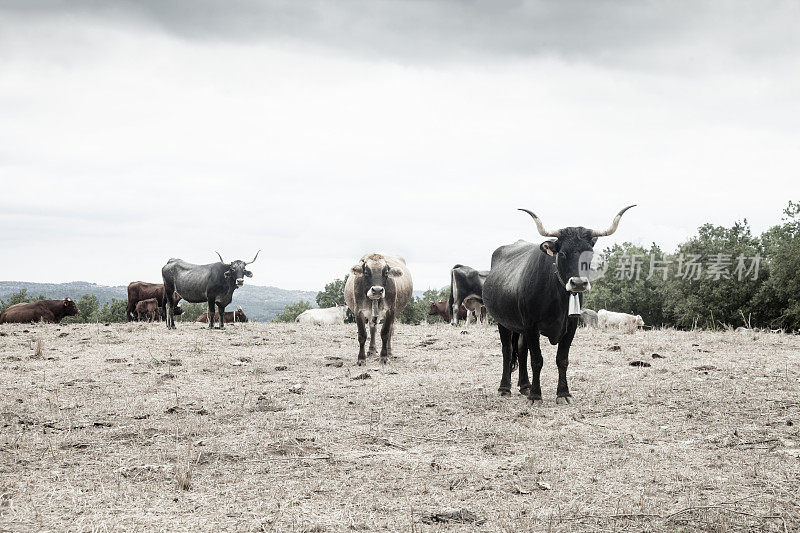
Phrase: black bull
{"type": "Point", "coordinates": [528, 291]}
{"type": "Point", "coordinates": [213, 283]}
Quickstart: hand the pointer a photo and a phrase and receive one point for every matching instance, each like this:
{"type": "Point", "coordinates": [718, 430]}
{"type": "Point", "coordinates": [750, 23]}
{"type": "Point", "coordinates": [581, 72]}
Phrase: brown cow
{"type": "Point", "coordinates": [141, 290]}
{"type": "Point", "coordinates": [229, 316]}
{"type": "Point", "coordinates": [442, 309]}
{"type": "Point", "coordinates": [43, 310]}
{"type": "Point", "coordinates": [143, 307]}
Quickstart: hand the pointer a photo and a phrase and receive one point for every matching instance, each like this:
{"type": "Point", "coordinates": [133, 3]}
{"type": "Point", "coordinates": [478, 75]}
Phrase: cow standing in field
{"type": "Point", "coordinates": [141, 290]}
{"type": "Point", "coordinates": [379, 287]}
{"type": "Point", "coordinates": [442, 309]}
{"type": "Point", "coordinates": [51, 311]}
{"type": "Point", "coordinates": [475, 308]}
{"type": "Point", "coordinates": [230, 316]}
{"type": "Point", "coordinates": [213, 284]}
{"type": "Point", "coordinates": [536, 290]}
{"type": "Point", "coordinates": [145, 307]}
{"type": "Point", "coordinates": [621, 321]}
{"type": "Point", "coordinates": [589, 318]}
{"type": "Point", "coordinates": [322, 317]}
{"type": "Point", "coordinates": [466, 285]}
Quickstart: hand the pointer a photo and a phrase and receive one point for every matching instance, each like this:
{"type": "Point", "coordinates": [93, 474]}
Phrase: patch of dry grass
{"type": "Point", "coordinates": [273, 427]}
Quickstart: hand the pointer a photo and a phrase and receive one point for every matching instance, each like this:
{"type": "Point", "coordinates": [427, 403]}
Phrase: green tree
{"type": "Point", "coordinates": [291, 311]}
{"type": "Point", "coordinates": [778, 302]}
{"type": "Point", "coordinates": [333, 294]}
{"type": "Point", "coordinates": [18, 297]}
{"type": "Point", "coordinates": [190, 312]}
{"type": "Point", "coordinates": [113, 311]}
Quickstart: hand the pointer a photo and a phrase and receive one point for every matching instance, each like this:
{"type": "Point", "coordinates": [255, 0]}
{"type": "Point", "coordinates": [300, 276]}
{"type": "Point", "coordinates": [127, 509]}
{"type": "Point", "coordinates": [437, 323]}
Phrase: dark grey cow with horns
{"type": "Point", "coordinates": [213, 283]}
{"type": "Point", "coordinates": [537, 290]}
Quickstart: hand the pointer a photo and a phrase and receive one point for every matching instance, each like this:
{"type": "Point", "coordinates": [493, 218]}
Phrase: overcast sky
{"type": "Point", "coordinates": [132, 132]}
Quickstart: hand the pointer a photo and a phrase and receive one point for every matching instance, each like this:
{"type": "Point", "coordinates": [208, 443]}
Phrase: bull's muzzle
{"type": "Point", "coordinates": [578, 284]}
{"type": "Point", "coordinates": [239, 282]}
{"type": "Point", "coordinates": [376, 292]}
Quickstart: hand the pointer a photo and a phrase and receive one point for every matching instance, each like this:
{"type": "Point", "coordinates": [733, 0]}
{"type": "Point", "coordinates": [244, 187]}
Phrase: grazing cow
{"type": "Point", "coordinates": [150, 306]}
{"type": "Point", "coordinates": [536, 290]}
{"type": "Point", "coordinates": [442, 309]}
{"type": "Point", "coordinates": [322, 317]}
{"type": "Point", "coordinates": [379, 286]}
{"type": "Point", "coordinates": [589, 318]}
{"type": "Point", "coordinates": [42, 311]}
{"type": "Point", "coordinates": [621, 321]}
{"type": "Point", "coordinates": [230, 316]}
{"type": "Point", "coordinates": [213, 284]}
{"type": "Point", "coordinates": [141, 290]}
{"type": "Point", "coordinates": [465, 282]}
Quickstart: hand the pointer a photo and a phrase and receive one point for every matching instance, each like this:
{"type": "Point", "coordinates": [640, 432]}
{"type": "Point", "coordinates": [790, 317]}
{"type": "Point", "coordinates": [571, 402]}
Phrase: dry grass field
{"type": "Point", "coordinates": [272, 427]}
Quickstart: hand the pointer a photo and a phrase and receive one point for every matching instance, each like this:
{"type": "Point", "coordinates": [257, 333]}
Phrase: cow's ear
{"type": "Point", "coordinates": [593, 241]}
{"type": "Point", "coordinates": [357, 269]}
{"type": "Point", "coordinates": [549, 247]}
{"type": "Point", "coordinates": [248, 273]}
{"type": "Point", "coordinates": [395, 272]}
{"type": "Point", "coordinates": [227, 273]}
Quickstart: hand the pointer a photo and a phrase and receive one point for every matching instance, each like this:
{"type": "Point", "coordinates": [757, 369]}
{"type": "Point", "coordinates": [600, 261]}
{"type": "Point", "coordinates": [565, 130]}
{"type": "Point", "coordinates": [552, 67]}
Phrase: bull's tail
{"type": "Point", "coordinates": [514, 351]}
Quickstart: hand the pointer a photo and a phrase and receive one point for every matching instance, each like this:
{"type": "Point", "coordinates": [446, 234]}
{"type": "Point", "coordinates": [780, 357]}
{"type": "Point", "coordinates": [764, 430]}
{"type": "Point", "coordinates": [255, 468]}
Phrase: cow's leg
{"type": "Point", "coordinates": [484, 316]}
{"type": "Point", "coordinates": [522, 356]}
{"type": "Point", "coordinates": [562, 361]}
{"type": "Point", "coordinates": [469, 313]}
{"type": "Point", "coordinates": [129, 311]}
{"type": "Point", "coordinates": [361, 321]}
{"type": "Point", "coordinates": [169, 304]}
{"type": "Point", "coordinates": [157, 314]}
{"type": "Point", "coordinates": [221, 309]}
{"type": "Point", "coordinates": [454, 310]}
{"type": "Point", "coordinates": [532, 340]}
{"type": "Point", "coordinates": [386, 336]}
{"type": "Point", "coordinates": [505, 341]}
{"type": "Point", "coordinates": [211, 304]}
{"type": "Point", "coordinates": [373, 325]}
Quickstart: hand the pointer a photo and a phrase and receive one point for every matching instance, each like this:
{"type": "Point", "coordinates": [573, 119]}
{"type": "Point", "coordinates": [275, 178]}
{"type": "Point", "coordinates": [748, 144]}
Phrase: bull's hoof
{"type": "Point", "coordinates": [372, 353]}
{"type": "Point", "coordinates": [504, 391]}
{"type": "Point", "coordinates": [563, 400]}
{"type": "Point", "coordinates": [384, 360]}
{"type": "Point", "coordinates": [361, 362]}
{"type": "Point", "coordinates": [525, 391]}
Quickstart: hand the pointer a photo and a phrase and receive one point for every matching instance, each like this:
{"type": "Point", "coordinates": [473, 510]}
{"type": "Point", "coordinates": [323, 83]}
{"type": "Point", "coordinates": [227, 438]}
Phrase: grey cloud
{"type": "Point", "coordinates": [608, 31]}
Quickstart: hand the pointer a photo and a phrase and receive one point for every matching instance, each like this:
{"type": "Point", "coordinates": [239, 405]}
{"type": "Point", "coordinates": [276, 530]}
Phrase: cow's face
{"type": "Point", "coordinates": [573, 251]}
{"type": "Point", "coordinates": [237, 270]}
{"type": "Point", "coordinates": [434, 310]}
{"type": "Point", "coordinates": [375, 272]}
{"type": "Point", "coordinates": [240, 316]}
{"type": "Point", "coordinates": [70, 309]}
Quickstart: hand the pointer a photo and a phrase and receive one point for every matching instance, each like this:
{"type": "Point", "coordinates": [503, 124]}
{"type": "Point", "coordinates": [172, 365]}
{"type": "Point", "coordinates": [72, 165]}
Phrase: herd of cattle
{"type": "Point", "coordinates": [530, 291]}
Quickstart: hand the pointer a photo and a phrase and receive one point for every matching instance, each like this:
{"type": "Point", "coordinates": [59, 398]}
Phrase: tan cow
{"type": "Point", "coordinates": [148, 306]}
{"type": "Point", "coordinates": [379, 287]}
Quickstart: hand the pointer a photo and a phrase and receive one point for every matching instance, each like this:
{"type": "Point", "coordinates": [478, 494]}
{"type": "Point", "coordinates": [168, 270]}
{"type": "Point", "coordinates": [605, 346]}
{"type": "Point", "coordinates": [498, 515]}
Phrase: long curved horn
{"type": "Point", "coordinates": [542, 231]}
{"type": "Point", "coordinates": [613, 226]}
{"type": "Point", "coordinates": [221, 261]}
{"type": "Point", "coordinates": [254, 259]}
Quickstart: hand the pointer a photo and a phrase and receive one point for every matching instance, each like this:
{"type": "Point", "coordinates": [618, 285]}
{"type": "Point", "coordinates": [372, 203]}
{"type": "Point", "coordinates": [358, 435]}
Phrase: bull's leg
{"type": "Point", "coordinates": [562, 362]}
{"type": "Point", "coordinates": [129, 311]}
{"type": "Point", "coordinates": [361, 321]}
{"type": "Point", "coordinates": [211, 314]}
{"type": "Point", "coordinates": [505, 341]}
{"type": "Point", "coordinates": [454, 316]}
{"type": "Point", "coordinates": [386, 336]}
{"type": "Point", "coordinates": [484, 316]}
{"type": "Point", "coordinates": [522, 356]}
{"type": "Point", "coordinates": [221, 309]}
{"type": "Point", "coordinates": [532, 340]}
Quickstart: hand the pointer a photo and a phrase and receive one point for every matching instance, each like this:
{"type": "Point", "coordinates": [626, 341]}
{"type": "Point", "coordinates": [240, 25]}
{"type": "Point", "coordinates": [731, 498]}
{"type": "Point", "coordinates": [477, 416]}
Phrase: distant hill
{"type": "Point", "coordinates": [258, 303]}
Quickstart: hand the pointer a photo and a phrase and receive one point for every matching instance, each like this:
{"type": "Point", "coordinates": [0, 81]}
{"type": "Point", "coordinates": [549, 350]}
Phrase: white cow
{"type": "Point", "coordinates": [623, 321]}
{"type": "Point", "coordinates": [323, 317]}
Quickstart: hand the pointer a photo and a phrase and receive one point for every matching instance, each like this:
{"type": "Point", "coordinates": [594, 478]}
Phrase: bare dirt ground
{"type": "Point", "coordinates": [272, 427]}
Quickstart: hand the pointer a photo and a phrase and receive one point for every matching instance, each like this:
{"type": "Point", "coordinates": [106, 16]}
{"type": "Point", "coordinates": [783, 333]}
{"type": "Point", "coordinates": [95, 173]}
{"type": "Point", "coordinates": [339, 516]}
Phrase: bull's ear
{"type": "Point", "coordinates": [549, 247]}
{"type": "Point", "coordinates": [395, 272]}
{"type": "Point", "coordinates": [357, 269]}
{"type": "Point", "coordinates": [227, 273]}
{"type": "Point", "coordinates": [248, 273]}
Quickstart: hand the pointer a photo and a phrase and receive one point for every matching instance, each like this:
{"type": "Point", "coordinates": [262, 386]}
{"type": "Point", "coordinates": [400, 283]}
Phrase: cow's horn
{"type": "Point", "coordinates": [254, 259]}
{"type": "Point", "coordinates": [221, 261]}
{"type": "Point", "coordinates": [614, 224]}
{"type": "Point", "coordinates": [542, 231]}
